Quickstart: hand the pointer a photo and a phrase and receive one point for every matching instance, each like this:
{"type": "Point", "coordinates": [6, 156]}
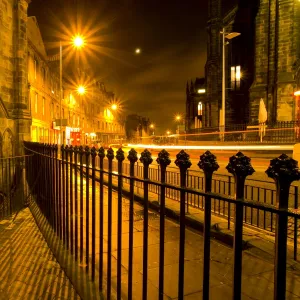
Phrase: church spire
{"type": "Point", "coordinates": [187, 88]}
{"type": "Point", "coordinates": [192, 87]}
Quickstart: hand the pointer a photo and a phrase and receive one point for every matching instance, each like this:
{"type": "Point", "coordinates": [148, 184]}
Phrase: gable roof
{"type": "Point", "coordinates": [35, 37]}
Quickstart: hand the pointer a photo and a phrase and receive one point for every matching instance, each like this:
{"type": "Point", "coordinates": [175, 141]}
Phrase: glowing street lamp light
{"type": "Point", "coordinates": [178, 117]}
{"type": "Point", "coordinates": [152, 127]}
{"type": "Point", "coordinates": [81, 90]}
{"type": "Point", "coordinates": [114, 107]}
{"type": "Point", "coordinates": [137, 51]}
{"type": "Point", "coordinates": [78, 41]}
{"type": "Point", "coordinates": [168, 132]}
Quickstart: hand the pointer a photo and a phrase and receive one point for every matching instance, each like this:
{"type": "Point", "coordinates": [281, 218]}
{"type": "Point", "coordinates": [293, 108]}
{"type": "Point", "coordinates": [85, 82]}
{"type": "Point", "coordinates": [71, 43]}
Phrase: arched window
{"type": "Point", "coordinates": [199, 108]}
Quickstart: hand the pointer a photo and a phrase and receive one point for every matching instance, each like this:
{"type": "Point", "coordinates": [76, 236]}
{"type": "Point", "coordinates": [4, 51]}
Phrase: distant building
{"type": "Point", "coordinates": [263, 62]}
{"type": "Point", "coordinates": [137, 128]}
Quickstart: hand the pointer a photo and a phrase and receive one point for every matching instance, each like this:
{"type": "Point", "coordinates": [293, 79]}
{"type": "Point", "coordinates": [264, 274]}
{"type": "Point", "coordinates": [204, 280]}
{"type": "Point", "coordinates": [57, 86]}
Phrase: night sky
{"type": "Point", "coordinates": [171, 34]}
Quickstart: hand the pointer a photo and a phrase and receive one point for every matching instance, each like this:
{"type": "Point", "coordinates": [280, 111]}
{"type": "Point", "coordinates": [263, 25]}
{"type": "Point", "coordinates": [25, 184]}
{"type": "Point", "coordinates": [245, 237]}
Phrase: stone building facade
{"type": "Point", "coordinates": [14, 107]}
{"type": "Point", "coordinates": [29, 92]}
{"type": "Point", "coordinates": [261, 63]}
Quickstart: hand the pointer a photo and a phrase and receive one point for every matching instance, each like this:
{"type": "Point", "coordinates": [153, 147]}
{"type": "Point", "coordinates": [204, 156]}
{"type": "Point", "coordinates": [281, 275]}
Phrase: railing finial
{"type": "Point", "coordinates": [132, 156]}
{"type": "Point", "coordinates": [183, 160]}
{"type": "Point", "coordinates": [146, 158]}
{"type": "Point", "coordinates": [101, 152]}
{"type": "Point", "coordinates": [283, 168]}
{"type": "Point", "coordinates": [240, 165]}
{"type": "Point", "coordinates": [120, 155]}
{"type": "Point", "coordinates": [208, 163]}
{"type": "Point", "coordinates": [110, 153]}
{"type": "Point", "coordinates": [163, 158]}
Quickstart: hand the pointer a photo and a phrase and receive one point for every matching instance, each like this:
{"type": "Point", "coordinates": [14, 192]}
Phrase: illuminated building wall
{"type": "Point", "coordinates": [14, 108]}
{"type": "Point", "coordinates": [86, 119]}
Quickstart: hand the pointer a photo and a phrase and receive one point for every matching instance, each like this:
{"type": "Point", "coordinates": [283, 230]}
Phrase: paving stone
{"type": "Point", "coordinates": [30, 271]}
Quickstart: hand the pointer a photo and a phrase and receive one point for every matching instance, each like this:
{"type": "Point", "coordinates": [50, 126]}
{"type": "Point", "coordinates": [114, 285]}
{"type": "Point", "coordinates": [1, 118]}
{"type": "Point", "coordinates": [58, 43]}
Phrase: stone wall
{"type": "Point", "coordinates": [14, 115]}
{"type": "Point", "coordinates": [277, 52]}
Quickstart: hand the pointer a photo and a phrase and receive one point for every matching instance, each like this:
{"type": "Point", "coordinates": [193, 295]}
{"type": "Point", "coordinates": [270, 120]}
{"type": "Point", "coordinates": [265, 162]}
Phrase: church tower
{"type": "Point", "coordinates": [213, 68]}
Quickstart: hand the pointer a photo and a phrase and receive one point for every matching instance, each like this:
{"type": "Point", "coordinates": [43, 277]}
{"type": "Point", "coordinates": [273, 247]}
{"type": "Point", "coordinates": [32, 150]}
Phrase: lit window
{"type": "Point", "coordinates": [200, 109]}
{"type": "Point", "coordinates": [201, 91]}
{"type": "Point", "coordinates": [236, 77]}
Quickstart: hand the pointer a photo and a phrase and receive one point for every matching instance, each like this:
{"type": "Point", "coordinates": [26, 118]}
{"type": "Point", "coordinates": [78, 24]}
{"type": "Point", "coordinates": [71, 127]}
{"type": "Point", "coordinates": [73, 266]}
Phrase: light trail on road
{"type": "Point", "coordinates": [214, 147]}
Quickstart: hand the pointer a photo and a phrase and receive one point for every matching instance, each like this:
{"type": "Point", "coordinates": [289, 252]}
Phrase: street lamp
{"type": "Point", "coordinates": [114, 107]}
{"type": "Point", "coordinates": [137, 51]}
{"type": "Point", "coordinates": [81, 90]}
{"type": "Point", "coordinates": [78, 42]}
{"type": "Point", "coordinates": [228, 36]}
{"type": "Point", "coordinates": [152, 127]}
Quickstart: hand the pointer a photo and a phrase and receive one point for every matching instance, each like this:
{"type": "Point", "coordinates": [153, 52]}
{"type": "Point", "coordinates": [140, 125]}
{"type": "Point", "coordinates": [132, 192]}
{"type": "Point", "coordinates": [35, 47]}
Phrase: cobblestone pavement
{"type": "Point", "coordinates": [28, 269]}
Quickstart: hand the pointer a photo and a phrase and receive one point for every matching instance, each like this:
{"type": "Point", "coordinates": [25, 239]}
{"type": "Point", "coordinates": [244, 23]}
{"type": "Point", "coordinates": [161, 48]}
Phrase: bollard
{"type": "Point", "coordinates": [240, 166]}
{"type": "Point", "coordinates": [209, 165]}
{"type": "Point", "coordinates": [284, 170]}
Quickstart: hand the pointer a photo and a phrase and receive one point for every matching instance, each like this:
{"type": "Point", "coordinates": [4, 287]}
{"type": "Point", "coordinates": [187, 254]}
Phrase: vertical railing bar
{"type": "Point", "coordinates": [120, 157]}
{"type": "Point", "coordinates": [81, 153]}
{"type": "Point", "coordinates": [132, 157]}
{"type": "Point", "coordinates": [87, 208]}
{"type": "Point", "coordinates": [76, 200]}
{"type": "Point", "coordinates": [71, 150]}
{"type": "Point", "coordinates": [110, 156]}
{"type": "Point", "coordinates": [93, 155]}
{"type": "Point", "coordinates": [101, 155]}
{"type": "Point", "coordinates": [67, 197]}
{"type": "Point", "coordinates": [295, 224]}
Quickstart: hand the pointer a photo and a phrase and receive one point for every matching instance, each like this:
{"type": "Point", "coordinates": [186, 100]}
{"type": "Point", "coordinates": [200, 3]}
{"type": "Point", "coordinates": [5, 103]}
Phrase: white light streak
{"type": "Point", "coordinates": [214, 147]}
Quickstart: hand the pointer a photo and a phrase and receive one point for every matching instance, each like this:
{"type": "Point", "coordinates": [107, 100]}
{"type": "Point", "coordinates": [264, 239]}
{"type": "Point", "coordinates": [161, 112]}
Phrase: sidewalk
{"type": "Point", "coordinates": [28, 269]}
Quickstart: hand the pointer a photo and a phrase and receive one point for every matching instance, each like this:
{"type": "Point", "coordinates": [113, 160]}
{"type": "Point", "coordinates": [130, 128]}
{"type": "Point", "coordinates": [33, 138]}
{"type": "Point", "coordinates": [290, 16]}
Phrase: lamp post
{"type": "Point", "coordinates": [152, 127]}
{"type": "Point", "coordinates": [81, 90]}
{"type": "Point", "coordinates": [78, 42]}
{"type": "Point", "coordinates": [178, 118]}
{"type": "Point", "coordinates": [225, 36]}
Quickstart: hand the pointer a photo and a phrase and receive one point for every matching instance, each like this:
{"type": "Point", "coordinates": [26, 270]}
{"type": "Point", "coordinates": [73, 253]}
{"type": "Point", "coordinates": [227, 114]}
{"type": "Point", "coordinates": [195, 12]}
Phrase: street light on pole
{"type": "Point", "coordinates": [78, 42]}
{"type": "Point", "coordinates": [152, 127]}
{"type": "Point", "coordinates": [225, 36]}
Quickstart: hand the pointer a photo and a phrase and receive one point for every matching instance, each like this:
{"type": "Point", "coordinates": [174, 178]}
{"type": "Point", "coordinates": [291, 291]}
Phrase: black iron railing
{"type": "Point", "coordinates": [254, 190]}
{"type": "Point", "coordinates": [72, 196]}
{"type": "Point", "coordinates": [13, 190]}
